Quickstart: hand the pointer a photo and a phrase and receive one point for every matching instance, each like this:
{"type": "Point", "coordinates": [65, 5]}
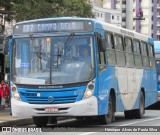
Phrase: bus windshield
{"type": "Point", "coordinates": [53, 60]}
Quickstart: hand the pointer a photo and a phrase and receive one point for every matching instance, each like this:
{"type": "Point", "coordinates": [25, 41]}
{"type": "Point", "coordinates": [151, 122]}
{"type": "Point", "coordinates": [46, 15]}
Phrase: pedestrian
{"type": "Point", "coordinates": [2, 95]}
{"type": "Point", "coordinates": [6, 91]}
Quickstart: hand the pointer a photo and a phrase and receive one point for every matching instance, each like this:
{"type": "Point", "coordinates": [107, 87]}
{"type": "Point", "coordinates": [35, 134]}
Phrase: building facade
{"type": "Point", "coordinates": [142, 16]}
{"type": "Point", "coordinates": [158, 19]}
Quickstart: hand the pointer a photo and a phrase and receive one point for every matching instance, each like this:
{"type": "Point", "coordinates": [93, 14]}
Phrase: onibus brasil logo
{"type": "Point", "coordinates": [139, 15]}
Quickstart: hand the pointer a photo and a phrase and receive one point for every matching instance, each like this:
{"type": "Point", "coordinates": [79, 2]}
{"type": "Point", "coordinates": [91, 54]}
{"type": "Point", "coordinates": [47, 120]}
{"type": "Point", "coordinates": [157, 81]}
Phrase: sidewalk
{"type": "Point", "coordinates": [8, 120]}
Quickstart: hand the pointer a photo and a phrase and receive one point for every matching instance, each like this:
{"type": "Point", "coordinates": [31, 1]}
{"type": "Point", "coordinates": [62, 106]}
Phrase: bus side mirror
{"type": "Point", "coordinates": [103, 44]}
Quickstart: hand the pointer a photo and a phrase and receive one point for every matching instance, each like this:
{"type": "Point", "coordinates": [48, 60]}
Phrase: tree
{"type": "Point", "coordinates": [34, 9]}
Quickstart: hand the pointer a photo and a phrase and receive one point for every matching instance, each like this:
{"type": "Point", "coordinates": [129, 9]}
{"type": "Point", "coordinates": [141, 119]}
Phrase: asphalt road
{"type": "Point", "coordinates": [149, 125]}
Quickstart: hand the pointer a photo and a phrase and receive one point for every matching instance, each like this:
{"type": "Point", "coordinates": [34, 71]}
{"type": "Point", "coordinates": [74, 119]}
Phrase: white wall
{"type": "Point", "coordinates": [107, 4]}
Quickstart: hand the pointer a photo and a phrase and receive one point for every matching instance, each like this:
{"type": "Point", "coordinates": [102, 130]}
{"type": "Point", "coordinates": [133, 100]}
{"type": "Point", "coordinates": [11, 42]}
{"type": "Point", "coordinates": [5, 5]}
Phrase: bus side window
{"type": "Point", "coordinates": [110, 52]}
{"type": "Point", "coordinates": [120, 55]}
{"type": "Point", "coordinates": [129, 54]}
{"type": "Point", "coordinates": [145, 55]}
{"type": "Point", "coordinates": [151, 56]}
{"type": "Point", "coordinates": [137, 54]}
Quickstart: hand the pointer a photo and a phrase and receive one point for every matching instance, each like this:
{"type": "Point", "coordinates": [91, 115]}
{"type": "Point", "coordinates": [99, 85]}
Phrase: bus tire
{"type": "Point", "coordinates": [84, 118]}
{"type": "Point", "coordinates": [128, 114]}
{"type": "Point", "coordinates": [110, 117]}
{"type": "Point", "coordinates": [141, 110]}
{"type": "Point", "coordinates": [79, 118]}
{"type": "Point", "coordinates": [41, 121]}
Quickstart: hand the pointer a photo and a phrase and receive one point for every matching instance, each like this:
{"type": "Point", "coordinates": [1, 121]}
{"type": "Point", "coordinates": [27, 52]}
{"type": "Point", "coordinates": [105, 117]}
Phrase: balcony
{"type": "Point", "coordinates": [123, 15]}
{"type": "Point", "coordinates": [123, 6]}
{"type": "Point", "coordinates": [123, 23]}
{"type": "Point", "coordinates": [158, 6]}
{"type": "Point", "coordinates": [158, 23]}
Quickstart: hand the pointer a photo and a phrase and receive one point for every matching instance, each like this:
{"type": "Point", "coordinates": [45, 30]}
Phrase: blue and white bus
{"type": "Point", "coordinates": [157, 55]}
{"type": "Point", "coordinates": [80, 67]}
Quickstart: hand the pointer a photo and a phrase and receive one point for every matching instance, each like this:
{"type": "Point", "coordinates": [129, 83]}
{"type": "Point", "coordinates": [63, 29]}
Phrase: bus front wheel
{"type": "Point", "coordinates": [110, 117]}
{"type": "Point", "coordinates": [41, 121]}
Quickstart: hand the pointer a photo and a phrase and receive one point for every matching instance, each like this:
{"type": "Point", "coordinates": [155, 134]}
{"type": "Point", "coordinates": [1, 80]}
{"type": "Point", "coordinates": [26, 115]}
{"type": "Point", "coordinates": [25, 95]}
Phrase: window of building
{"type": "Point", "coordinates": [124, 19]}
{"type": "Point", "coordinates": [123, 11]}
{"type": "Point", "coordinates": [152, 18]}
{"type": "Point", "coordinates": [101, 15]}
{"type": "Point", "coordinates": [123, 2]}
{"type": "Point", "coordinates": [117, 17]}
{"type": "Point", "coordinates": [112, 17]}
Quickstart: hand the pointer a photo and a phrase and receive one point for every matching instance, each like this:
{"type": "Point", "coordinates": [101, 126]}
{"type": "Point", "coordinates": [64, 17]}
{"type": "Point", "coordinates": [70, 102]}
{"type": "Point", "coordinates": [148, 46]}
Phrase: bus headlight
{"type": "Point", "coordinates": [15, 93]}
{"type": "Point", "coordinates": [89, 90]}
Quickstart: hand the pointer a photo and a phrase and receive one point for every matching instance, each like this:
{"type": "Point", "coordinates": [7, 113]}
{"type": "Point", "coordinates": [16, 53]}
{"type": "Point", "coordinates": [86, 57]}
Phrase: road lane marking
{"type": "Point", "coordinates": [88, 133]}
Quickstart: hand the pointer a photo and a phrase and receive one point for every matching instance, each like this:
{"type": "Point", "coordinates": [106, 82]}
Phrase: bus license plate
{"type": "Point", "coordinates": [51, 109]}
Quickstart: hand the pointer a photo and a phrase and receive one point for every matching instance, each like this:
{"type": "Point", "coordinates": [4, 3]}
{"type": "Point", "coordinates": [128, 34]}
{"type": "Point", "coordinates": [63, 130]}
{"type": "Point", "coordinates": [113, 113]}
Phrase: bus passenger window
{"type": "Point", "coordinates": [118, 43]}
{"type": "Point", "coordinates": [137, 54]}
{"type": "Point", "coordinates": [144, 55]}
{"type": "Point", "coordinates": [111, 56]}
{"type": "Point", "coordinates": [129, 54]}
{"type": "Point", "coordinates": [109, 41]}
{"type": "Point", "coordinates": [120, 55]}
{"type": "Point", "coordinates": [151, 57]}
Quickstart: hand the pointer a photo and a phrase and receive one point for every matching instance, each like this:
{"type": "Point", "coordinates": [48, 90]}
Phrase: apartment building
{"type": "Point", "coordinates": [142, 16]}
{"type": "Point", "coordinates": [158, 19]}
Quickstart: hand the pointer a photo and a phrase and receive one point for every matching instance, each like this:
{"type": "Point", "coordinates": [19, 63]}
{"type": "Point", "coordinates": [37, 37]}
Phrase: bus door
{"type": "Point", "coordinates": [102, 78]}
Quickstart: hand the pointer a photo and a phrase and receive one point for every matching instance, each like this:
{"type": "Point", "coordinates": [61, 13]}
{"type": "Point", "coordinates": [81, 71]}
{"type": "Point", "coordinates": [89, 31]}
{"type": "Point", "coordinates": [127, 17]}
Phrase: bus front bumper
{"type": "Point", "coordinates": [86, 107]}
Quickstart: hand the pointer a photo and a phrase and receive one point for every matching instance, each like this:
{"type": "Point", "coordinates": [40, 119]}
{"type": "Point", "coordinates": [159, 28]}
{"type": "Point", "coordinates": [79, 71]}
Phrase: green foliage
{"type": "Point", "coordinates": [34, 9]}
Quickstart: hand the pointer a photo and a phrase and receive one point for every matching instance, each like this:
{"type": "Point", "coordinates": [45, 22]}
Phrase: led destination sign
{"type": "Point", "coordinates": [50, 26]}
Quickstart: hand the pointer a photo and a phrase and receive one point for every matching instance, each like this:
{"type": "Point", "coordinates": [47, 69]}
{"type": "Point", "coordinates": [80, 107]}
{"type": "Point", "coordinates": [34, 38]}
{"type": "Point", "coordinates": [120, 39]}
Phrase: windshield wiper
{"type": "Point", "coordinates": [65, 45]}
{"type": "Point", "coordinates": [68, 39]}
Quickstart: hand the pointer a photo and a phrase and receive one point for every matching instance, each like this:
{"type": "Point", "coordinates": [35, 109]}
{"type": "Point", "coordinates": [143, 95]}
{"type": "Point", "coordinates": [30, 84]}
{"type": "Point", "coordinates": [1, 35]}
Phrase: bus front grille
{"type": "Point", "coordinates": [56, 100]}
{"type": "Point", "coordinates": [49, 97]}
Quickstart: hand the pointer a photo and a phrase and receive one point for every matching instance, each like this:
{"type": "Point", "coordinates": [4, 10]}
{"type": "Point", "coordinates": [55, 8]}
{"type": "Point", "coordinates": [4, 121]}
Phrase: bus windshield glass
{"type": "Point", "coordinates": [53, 60]}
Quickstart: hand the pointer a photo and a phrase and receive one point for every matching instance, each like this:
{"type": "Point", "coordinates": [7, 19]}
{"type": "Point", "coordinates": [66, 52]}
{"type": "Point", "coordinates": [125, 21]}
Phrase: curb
{"type": "Point", "coordinates": [20, 122]}
{"type": "Point", "coordinates": [2, 107]}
